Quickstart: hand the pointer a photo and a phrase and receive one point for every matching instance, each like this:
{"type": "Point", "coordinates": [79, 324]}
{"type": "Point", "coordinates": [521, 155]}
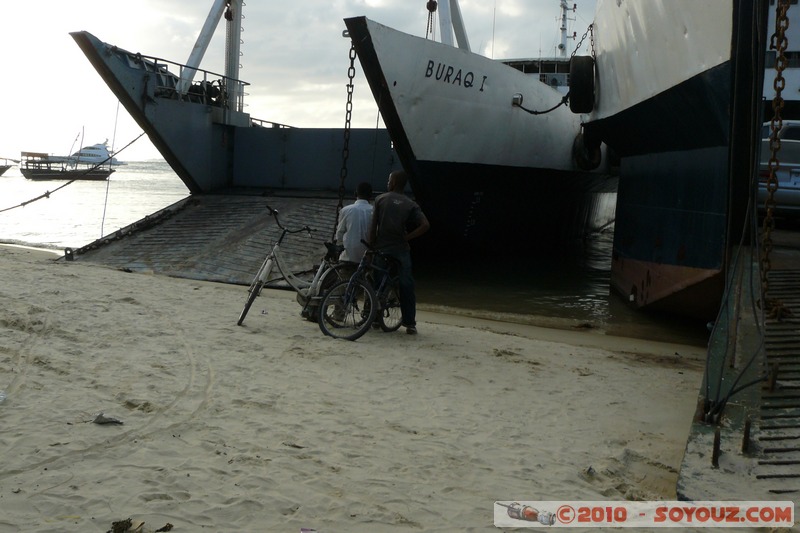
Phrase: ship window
{"type": "Point", "coordinates": [792, 59]}
{"type": "Point", "coordinates": [791, 133]}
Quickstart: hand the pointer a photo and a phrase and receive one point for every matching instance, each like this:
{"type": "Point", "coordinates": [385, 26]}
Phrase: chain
{"type": "Point", "coordinates": [779, 42]}
{"type": "Point", "coordinates": [565, 99]}
{"type": "Point", "coordinates": [351, 73]}
{"type": "Point", "coordinates": [590, 33]}
{"type": "Point", "coordinates": [431, 6]}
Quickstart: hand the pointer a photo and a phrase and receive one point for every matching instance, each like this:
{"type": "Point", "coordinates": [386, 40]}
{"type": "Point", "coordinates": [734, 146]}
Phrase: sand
{"type": "Point", "coordinates": [274, 427]}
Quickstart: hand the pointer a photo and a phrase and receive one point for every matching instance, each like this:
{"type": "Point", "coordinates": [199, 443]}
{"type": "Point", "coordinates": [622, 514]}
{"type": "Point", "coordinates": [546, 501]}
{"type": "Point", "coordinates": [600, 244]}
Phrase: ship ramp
{"type": "Point", "coordinates": [746, 432]}
{"type": "Point", "coordinates": [217, 237]}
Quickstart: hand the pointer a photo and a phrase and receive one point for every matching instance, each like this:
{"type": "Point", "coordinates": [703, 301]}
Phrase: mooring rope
{"type": "Point", "coordinates": [108, 181]}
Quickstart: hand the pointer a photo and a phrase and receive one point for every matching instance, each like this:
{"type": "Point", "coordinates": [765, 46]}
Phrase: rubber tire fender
{"type": "Point", "coordinates": [581, 84]}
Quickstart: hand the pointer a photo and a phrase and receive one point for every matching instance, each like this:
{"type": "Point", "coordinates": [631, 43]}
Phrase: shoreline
{"type": "Point", "coordinates": [506, 322]}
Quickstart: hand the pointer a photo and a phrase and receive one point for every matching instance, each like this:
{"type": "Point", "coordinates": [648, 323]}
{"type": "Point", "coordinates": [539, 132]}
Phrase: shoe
{"type": "Point", "coordinates": [411, 330]}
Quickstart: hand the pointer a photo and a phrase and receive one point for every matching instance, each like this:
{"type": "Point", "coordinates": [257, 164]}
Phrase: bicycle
{"type": "Point", "coordinates": [350, 307]}
{"type": "Point", "coordinates": [309, 292]}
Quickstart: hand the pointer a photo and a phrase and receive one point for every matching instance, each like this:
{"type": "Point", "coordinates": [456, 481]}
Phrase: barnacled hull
{"type": "Point", "coordinates": [681, 115]}
{"type": "Point", "coordinates": [490, 177]}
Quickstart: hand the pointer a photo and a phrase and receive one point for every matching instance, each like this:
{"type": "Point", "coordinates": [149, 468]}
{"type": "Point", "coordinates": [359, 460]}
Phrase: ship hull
{"type": "Point", "coordinates": [57, 174]}
{"type": "Point", "coordinates": [486, 211]}
{"type": "Point", "coordinates": [215, 147]}
{"type": "Point", "coordinates": [490, 177]}
{"type": "Point", "coordinates": [681, 114]}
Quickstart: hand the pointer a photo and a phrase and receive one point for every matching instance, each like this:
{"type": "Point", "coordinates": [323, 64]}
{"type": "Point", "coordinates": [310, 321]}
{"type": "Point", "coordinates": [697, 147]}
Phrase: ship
{"type": "Point", "coordinates": [494, 154]}
{"type": "Point", "coordinates": [482, 184]}
{"type": "Point", "coordinates": [89, 163]}
{"type": "Point", "coordinates": [682, 114]}
{"type": "Point", "coordinates": [198, 122]}
{"type": "Point", "coordinates": [96, 154]}
{"type": "Point", "coordinates": [5, 166]}
{"type": "Point", "coordinates": [503, 163]}
{"type": "Point", "coordinates": [670, 105]}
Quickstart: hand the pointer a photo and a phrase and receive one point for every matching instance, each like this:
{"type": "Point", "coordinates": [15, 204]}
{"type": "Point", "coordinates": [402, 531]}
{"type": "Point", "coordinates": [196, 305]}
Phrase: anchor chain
{"type": "Point", "coordinates": [778, 42]}
{"type": "Point", "coordinates": [351, 74]}
{"type": "Point", "coordinates": [590, 33]}
{"type": "Point", "coordinates": [565, 99]}
{"type": "Point", "coordinates": [431, 6]}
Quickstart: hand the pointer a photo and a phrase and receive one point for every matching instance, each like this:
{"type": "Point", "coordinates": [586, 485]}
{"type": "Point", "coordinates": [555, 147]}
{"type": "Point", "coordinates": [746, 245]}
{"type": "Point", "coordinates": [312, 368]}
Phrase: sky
{"type": "Point", "coordinates": [293, 56]}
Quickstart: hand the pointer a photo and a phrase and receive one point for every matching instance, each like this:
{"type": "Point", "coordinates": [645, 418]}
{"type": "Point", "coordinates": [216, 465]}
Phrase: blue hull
{"type": "Point", "coordinates": [686, 163]}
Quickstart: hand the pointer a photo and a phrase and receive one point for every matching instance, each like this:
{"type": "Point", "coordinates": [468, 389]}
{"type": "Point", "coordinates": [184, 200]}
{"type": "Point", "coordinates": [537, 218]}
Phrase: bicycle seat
{"type": "Point", "coordinates": [334, 251]}
{"type": "Point", "coordinates": [391, 263]}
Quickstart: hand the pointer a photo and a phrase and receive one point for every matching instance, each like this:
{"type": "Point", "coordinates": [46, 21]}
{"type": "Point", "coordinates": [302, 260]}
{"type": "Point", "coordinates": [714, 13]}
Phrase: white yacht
{"type": "Point", "coordinates": [96, 154]}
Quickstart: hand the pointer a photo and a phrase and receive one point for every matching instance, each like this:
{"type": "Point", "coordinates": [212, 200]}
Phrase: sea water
{"type": "Point", "coordinates": [57, 215]}
{"type": "Point", "coordinates": [569, 287]}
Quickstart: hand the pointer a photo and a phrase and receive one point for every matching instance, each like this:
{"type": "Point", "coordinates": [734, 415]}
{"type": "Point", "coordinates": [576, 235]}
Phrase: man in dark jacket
{"type": "Point", "coordinates": [393, 214]}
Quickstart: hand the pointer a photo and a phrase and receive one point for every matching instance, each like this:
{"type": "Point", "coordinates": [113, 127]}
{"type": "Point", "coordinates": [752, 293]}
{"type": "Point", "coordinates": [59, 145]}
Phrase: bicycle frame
{"type": "Point", "coordinates": [351, 307]}
{"type": "Point", "coordinates": [386, 276]}
{"type": "Point", "coordinates": [296, 283]}
{"type": "Point", "coordinates": [367, 266]}
{"type": "Point", "coordinates": [305, 289]}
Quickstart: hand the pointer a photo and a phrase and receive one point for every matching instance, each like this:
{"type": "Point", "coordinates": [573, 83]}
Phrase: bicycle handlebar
{"type": "Point", "coordinates": [372, 249]}
{"type": "Point", "coordinates": [274, 214]}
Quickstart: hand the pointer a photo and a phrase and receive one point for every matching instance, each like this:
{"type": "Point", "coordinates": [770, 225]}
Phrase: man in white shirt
{"type": "Point", "coordinates": [354, 224]}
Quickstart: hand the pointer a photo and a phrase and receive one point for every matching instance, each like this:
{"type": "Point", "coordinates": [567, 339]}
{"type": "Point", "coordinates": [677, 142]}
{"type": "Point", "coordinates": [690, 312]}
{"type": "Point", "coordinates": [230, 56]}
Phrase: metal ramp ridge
{"type": "Point", "coordinates": [222, 238]}
{"type": "Point", "coordinates": [778, 436]}
{"type": "Point", "coordinates": [744, 442]}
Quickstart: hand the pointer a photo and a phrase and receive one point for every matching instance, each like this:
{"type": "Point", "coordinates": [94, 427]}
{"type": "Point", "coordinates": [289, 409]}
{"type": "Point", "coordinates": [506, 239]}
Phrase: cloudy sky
{"type": "Point", "coordinates": [294, 57]}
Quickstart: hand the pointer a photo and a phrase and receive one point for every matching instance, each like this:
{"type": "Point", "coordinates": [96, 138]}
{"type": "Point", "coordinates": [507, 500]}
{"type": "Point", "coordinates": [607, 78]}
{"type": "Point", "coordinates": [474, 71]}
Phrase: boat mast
{"type": "Point", "coordinates": [233, 15]}
{"type": "Point", "coordinates": [450, 20]}
{"type": "Point", "coordinates": [233, 41]}
{"type": "Point", "coordinates": [200, 47]}
{"type": "Point", "coordinates": [562, 47]}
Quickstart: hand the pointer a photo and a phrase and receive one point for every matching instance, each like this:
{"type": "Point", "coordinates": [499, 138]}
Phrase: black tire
{"type": "Point", "coordinates": [255, 289]}
{"type": "Point", "coordinates": [581, 84]}
{"type": "Point", "coordinates": [348, 310]}
{"type": "Point", "coordinates": [391, 318]}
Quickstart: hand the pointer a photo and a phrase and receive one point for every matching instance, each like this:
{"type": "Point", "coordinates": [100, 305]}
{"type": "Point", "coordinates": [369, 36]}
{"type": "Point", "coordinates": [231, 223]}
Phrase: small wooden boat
{"type": "Point", "coordinates": [5, 166]}
{"type": "Point", "coordinates": [42, 166]}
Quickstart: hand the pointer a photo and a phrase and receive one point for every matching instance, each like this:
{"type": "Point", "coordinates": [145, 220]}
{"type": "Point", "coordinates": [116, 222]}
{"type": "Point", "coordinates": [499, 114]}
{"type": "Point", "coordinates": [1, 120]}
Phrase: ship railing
{"type": "Point", "coordinates": [208, 88]}
{"type": "Point", "coordinates": [45, 161]}
{"type": "Point", "coordinates": [258, 123]}
{"type": "Point", "coordinates": [554, 79]}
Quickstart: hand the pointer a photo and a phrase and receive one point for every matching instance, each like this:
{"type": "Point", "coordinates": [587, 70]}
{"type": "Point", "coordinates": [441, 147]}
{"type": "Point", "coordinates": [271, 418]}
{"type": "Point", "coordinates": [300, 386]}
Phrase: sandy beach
{"type": "Point", "coordinates": [274, 427]}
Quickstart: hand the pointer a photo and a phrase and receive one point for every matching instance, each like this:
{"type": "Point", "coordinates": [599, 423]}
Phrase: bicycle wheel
{"type": "Point", "coordinates": [348, 310]}
{"type": "Point", "coordinates": [390, 315]}
{"type": "Point", "coordinates": [334, 275]}
{"type": "Point", "coordinates": [255, 288]}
